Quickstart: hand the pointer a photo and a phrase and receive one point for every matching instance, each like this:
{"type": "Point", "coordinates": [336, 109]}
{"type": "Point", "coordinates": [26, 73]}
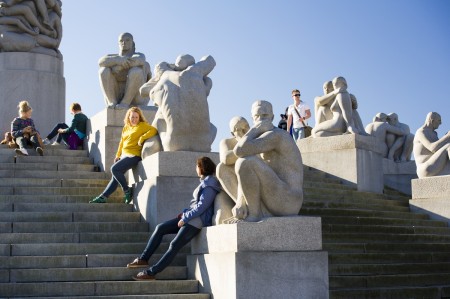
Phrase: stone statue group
{"type": "Point", "coordinates": [31, 26]}
{"type": "Point", "coordinates": [260, 167]}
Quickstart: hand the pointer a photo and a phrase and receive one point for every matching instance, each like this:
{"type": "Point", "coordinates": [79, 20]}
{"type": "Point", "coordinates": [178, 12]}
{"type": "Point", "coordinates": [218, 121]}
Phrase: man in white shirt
{"type": "Point", "coordinates": [297, 113]}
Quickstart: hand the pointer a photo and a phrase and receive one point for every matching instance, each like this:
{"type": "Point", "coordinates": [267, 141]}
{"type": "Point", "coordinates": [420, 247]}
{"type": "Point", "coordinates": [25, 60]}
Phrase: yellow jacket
{"type": "Point", "coordinates": [132, 137]}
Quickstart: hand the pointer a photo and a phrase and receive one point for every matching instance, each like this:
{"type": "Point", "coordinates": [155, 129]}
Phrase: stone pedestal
{"type": "Point", "coordinates": [355, 159]}
{"type": "Point", "coordinates": [398, 176]}
{"type": "Point", "coordinates": [103, 134]}
{"type": "Point", "coordinates": [432, 196]}
{"type": "Point", "coordinates": [279, 257]}
{"type": "Point", "coordinates": [164, 183]}
{"type": "Point", "coordinates": [37, 78]}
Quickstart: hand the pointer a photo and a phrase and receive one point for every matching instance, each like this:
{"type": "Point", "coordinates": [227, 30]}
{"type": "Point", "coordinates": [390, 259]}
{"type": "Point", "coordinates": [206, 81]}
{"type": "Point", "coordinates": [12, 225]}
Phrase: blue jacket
{"type": "Point", "coordinates": [202, 205]}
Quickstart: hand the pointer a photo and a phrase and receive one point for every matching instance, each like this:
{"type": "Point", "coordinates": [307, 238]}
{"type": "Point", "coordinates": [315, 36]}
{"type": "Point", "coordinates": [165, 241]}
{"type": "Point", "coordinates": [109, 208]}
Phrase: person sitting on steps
{"type": "Point", "coordinates": [73, 135]}
{"type": "Point", "coordinates": [24, 130]}
{"type": "Point", "coordinates": [186, 225]}
{"type": "Point", "coordinates": [134, 133]}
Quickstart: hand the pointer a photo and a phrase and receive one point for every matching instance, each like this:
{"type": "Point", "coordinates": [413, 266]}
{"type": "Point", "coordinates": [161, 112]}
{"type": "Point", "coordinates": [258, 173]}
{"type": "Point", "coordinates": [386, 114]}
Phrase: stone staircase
{"type": "Point", "coordinates": [53, 243]}
{"type": "Point", "coordinates": [377, 247]}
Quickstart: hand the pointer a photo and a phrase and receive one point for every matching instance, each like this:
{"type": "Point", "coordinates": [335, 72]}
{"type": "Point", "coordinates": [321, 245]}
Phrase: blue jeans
{"type": "Point", "coordinates": [54, 132]}
{"type": "Point", "coordinates": [298, 133]}
{"type": "Point", "coordinates": [184, 234]}
{"type": "Point", "coordinates": [118, 170]}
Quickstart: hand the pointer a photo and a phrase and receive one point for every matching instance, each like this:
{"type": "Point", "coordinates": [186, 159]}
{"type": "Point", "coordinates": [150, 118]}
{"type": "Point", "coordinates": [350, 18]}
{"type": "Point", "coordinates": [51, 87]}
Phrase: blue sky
{"type": "Point", "coordinates": [395, 55]}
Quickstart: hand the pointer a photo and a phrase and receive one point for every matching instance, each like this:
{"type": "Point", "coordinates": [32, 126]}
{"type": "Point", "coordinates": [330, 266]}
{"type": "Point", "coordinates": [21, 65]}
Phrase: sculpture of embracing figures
{"type": "Point", "coordinates": [180, 92]}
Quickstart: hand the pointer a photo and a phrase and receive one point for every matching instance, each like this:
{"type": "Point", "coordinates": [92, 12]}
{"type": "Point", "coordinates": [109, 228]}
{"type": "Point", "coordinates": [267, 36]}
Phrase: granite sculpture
{"type": "Point", "coordinates": [225, 170]}
{"type": "Point", "coordinates": [432, 155]}
{"type": "Point", "coordinates": [180, 91]}
{"type": "Point", "coordinates": [403, 144]}
{"type": "Point", "coordinates": [338, 104]}
{"type": "Point", "coordinates": [121, 75]}
{"type": "Point", "coordinates": [268, 170]}
{"type": "Point", "coordinates": [31, 26]}
{"type": "Point", "coordinates": [380, 129]}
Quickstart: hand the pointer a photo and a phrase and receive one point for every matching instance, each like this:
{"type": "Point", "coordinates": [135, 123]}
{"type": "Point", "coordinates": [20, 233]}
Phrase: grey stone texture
{"type": "Point", "coordinates": [279, 257]}
{"type": "Point", "coordinates": [354, 158]}
{"type": "Point", "coordinates": [37, 78]}
{"type": "Point", "coordinates": [432, 196]}
{"type": "Point", "coordinates": [398, 176]}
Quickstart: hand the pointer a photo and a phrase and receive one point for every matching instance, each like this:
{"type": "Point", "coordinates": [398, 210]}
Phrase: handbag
{"type": "Point", "coordinates": [307, 129]}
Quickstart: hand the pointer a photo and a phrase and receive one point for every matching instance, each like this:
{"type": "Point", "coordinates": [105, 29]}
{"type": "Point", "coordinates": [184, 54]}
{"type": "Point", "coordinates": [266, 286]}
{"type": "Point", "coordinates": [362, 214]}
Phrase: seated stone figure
{"type": "Point", "coordinates": [182, 119]}
{"type": "Point", "coordinates": [121, 75]}
{"type": "Point", "coordinates": [356, 118]}
{"type": "Point", "coordinates": [402, 143]}
{"type": "Point", "coordinates": [323, 103]}
{"type": "Point", "coordinates": [269, 170]}
{"type": "Point", "coordinates": [225, 171]}
{"type": "Point", "coordinates": [341, 109]}
{"type": "Point", "coordinates": [432, 155]}
{"type": "Point", "coordinates": [380, 128]}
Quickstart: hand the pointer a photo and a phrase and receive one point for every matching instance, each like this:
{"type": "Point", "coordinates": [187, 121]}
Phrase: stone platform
{"type": "Point", "coordinates": [279, 257]}
{"type": "Point", "coordinates": [355, 159]}
{"type": "Point", "coordinates": [432, 196]}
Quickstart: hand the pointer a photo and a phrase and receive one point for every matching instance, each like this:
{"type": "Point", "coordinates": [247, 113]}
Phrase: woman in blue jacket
{"type": "Point", "coordinates": [187, 225]}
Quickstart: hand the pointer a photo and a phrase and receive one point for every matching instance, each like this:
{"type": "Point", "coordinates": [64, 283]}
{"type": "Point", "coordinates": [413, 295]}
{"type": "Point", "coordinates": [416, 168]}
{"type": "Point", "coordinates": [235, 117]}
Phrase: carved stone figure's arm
{"type": "Point", "coordinates": [111, 60]}
{"type": "Point", "coordinates": [138, 59]}
{"type": "Point", "coordinates": [226, 153]}
{"type": "Point", "coordinates": [257, 140]}
{"type": "Point", "coordinates": [326, 98]}
{"type": "Point", "coordinates": [204, 66]}
{"type": "Point", "coordinates": [432, 146]}
{"type": "Point", "coordinates": [394, 130]}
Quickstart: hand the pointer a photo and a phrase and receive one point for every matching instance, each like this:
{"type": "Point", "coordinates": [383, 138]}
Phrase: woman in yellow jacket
{"type": "Point", "coordinates": [134, 133]}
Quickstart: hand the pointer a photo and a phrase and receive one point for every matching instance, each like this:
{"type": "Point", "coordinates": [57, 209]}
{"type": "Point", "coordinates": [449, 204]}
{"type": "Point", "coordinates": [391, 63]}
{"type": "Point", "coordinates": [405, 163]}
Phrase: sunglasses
{"type": "Point", "coordinates": [297, 95]}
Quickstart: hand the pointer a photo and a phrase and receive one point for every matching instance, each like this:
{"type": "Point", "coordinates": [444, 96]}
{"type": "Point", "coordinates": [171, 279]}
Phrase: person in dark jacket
{"type": "Point", "coordinates": [72, 135]}
{"type": "Point", "coordinates": [186, 226]}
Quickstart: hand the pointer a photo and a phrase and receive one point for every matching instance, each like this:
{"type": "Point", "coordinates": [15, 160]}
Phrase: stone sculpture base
{"type": "Point", "coordinates": [37, 78]}
{"type": "Point", "coordinates": [104, 131]}
{"type": "Point", "coordinates": [398, 176]}
{"type": "Point", "coordinates": [164, 183]}
{"type": "Point", "coordinates": [432, 196]}
{"type": "Point", "coordinates": [279, 257]}
{"type": "Point", "coordinates": [355, 159]}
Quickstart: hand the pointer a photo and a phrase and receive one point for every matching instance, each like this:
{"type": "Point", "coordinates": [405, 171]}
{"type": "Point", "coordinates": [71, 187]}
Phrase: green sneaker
{"type": "Point", "coordinates": [128, 196]}
{"type": "Point", "coordinates": [98, 199]}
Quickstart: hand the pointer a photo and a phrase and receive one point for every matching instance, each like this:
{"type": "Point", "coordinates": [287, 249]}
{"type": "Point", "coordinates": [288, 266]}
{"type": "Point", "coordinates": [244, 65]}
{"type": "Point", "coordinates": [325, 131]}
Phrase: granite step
{"type": "Point", "coordinates": [388, 257]}
{"type": "Point", "coordinates": [384, 292]}
{"type": "Point", "coordinates": [70, 217]}
{"type": "Point", "coordinates": [98, 288]}
{"type": "Point", "coordinates": [76, 227]}
{"type": "Point", "coordinates": [89, 274]}
{"type": "Point", "coordinates": [57, 249]}
{"type": "Point", "coordinates": [389, 269]}
{"type": "Point", "coordinates": [116, 197]}
{"type": "Point", "coordinates": [80, 261]}
{"type": "Point", "coordinates": [52, 174]}
{"type": "Point", "coordinates": [360, 213]}
{"type": "Point", "coordinates": [105, 237]}
{"type": "Point", "coordinates": [97, 180]}
{"type": "Point", "coordinates": [368, 221]}
{"type": "Point", "coordinates": [375, 238]}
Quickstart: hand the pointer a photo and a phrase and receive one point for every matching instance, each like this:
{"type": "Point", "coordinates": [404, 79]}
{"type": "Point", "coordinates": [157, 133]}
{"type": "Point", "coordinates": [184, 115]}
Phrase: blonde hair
{"type": "Point", "coordinates": [24, 107]}
{"type": "Point", "coordinates": [126, 120]}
